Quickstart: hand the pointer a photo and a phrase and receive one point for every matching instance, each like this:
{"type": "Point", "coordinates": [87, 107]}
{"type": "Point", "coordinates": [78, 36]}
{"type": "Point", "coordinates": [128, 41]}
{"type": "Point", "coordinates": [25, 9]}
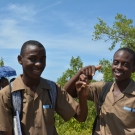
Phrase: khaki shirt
{"type": "Point", "coordinates": [116, 117]}
{"type": "Point", "coordinates": [35, 120]}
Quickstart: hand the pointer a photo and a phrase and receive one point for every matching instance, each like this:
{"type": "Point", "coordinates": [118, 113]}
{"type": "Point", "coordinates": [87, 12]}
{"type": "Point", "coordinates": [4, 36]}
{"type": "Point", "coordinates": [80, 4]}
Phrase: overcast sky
{"type": "Point", "coordinates": [64, 27]}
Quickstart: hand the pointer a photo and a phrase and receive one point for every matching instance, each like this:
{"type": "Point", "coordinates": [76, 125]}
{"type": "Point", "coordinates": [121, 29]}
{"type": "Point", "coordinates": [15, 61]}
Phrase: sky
{"type": "Point", "coordinates": [64, 27]}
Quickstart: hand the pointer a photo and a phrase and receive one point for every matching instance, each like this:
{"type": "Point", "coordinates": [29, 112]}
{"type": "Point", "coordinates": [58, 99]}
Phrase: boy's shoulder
{"type": "Point", "coordinates": [5, 91]}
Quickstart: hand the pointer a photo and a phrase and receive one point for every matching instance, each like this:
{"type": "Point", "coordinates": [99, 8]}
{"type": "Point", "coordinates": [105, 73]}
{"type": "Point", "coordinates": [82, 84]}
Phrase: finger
{"type": "Point", "coordinates": [94, 69]}
{"type": "Point", "coordinates": [83, 77]}
{"type": "Point", "coordinates": [86, 71]}
{"type": "Point", "coordinates": [80, 85]}
{"type": "Point", "coordinates": [98, 67]}
{"type": "Point", "coordinates": [84, 85]}
{"type": "Point", "coordinates": [89, 71]}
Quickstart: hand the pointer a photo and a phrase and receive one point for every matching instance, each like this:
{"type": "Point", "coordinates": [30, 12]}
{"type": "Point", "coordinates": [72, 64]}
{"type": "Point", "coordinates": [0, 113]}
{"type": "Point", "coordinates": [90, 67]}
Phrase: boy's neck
{"type": "Point", "coordinates": [122, 84]}
{"type": "Point", "coordinates": [29, 82]}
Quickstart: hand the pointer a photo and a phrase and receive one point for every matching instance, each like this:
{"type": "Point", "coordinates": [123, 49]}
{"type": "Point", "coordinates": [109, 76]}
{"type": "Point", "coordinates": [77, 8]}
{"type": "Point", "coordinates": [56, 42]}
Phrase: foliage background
{"type": "Point", "coordinates": [74, 127]}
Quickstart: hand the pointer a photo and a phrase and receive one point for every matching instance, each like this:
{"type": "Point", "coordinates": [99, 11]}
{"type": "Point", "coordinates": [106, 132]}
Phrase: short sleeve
{"type": "Point", "coordinates": [95, 89]}
{"type": "Point", "coordinates": [5, 110]}
{"type": "Point", "coordinates": [66, 106]}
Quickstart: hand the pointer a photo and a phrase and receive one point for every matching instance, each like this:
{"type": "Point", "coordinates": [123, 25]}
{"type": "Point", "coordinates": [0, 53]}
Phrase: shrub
{"type": "Point", "coordinates": [73, 127]}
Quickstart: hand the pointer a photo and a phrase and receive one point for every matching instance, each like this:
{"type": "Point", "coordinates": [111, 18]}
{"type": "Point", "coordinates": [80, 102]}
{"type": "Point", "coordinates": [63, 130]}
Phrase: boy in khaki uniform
{"type": "Point", "coordinates": [117, 114]}
{"type": "Point", "coordinates": [37, 115]}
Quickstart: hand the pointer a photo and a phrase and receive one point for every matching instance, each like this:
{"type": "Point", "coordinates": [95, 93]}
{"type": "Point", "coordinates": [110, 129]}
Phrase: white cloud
{"type": "Point", "coordinates": [52, 5]}
{"type": "Point", "coordinates": [14, 25]}
{"type": "Point", "coordinates": [23, 12]}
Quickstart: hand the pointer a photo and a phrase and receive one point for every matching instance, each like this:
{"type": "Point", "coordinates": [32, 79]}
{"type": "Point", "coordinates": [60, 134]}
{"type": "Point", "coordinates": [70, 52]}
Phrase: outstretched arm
{"type": "Point", "coordinates": [89, 71]}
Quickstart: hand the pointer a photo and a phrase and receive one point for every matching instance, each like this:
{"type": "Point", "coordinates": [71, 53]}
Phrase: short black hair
{"type": "Point", "coordinates": [128, 50]}
{"type": "Point", "coordinates": [29, 43]}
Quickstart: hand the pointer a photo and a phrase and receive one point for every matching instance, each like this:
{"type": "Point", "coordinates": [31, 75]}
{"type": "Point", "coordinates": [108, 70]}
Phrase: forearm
{"type": "Point", "coordinates": [82, 110]}
{"type": "Point", "coordinates": [70, 85]}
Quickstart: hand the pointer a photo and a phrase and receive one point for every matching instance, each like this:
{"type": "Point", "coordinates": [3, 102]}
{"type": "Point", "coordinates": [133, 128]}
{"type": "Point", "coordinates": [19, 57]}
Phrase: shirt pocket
{"type": "Point", "coordinates": [48, 115]}
{"type": "Point", "coordinates": [128, 116]}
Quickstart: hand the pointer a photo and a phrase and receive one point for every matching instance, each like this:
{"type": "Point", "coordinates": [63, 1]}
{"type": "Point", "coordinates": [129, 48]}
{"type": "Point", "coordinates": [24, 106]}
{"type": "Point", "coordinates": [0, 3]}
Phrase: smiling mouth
{"type": "Point", "coordinates": [119, 73]}
{"type": "Point", "coordinates": [37, 71]}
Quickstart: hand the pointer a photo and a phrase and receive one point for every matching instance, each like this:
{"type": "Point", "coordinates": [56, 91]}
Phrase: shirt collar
{"type": "Point", "coordinates": [130, 89]}
{"type": "Point", "coordinates": [18, 84]}
{"type": "Point", "coordinates": [43, 84]}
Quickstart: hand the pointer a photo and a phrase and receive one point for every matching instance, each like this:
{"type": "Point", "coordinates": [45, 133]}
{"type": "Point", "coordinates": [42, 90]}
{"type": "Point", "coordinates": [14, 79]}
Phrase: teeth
{"type": "Point", "coordinates": [119, 73]}
{"type": "Point", "coordinates": [37, 70]}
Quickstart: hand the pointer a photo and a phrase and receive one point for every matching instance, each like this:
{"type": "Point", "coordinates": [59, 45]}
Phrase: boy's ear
{"type": "Point", "coordinates": [20, 59]}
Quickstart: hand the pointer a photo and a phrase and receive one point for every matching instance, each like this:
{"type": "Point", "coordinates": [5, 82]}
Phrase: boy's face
{"type": "Point", "coordinates": [122, 66]}
{"type": "Point", "coordinates": [33, 61]}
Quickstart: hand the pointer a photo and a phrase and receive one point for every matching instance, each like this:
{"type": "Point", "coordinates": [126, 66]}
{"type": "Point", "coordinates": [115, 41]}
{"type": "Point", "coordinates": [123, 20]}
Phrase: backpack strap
{"type": "Point", "coordinates": [52, 92]}
{"type": "Point", "coordinates": [103, 94]}
{"type": "Point", "coordinates": [16, 100]}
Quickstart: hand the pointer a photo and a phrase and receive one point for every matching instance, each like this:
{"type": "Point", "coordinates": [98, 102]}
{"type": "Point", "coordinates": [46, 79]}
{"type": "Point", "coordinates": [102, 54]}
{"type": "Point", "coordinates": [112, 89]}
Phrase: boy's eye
{"type": "Point", "coordinates": [43, 58]}
{"type": "Point", "coordinates": [125, 64]}
{"type": "Point", "coordinates": [32, 59]}
{"type": "Point", "coordinates": [115, 62]}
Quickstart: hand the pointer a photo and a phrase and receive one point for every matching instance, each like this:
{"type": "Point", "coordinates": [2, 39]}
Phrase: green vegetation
{"type": "Point", "coordinates": [75, 65]}
{"type": "Point", "coordinates": [1, 62]}
{"type": "Point", "coordinates": [121, 33]}
{"type": "Point", "coordinates": [74, 127]}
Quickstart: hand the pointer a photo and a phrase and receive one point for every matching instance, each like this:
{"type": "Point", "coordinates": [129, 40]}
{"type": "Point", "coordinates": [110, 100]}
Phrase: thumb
{"type": "Point", "coordinates": [98, 67]}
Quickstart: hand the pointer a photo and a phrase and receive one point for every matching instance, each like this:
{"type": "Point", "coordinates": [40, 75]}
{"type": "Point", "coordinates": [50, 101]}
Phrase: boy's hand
{"type": "Point", "coordinates": [89, 71]}
{"type": "Point", "coordinates": [81, 86]}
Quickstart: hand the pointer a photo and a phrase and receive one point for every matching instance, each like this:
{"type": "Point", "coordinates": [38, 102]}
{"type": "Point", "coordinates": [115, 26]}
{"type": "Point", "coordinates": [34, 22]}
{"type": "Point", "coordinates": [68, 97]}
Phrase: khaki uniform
{"type": "Point", "coordinates": [35, 119]}
{"type": "Point", "coordinates": [116, 117]}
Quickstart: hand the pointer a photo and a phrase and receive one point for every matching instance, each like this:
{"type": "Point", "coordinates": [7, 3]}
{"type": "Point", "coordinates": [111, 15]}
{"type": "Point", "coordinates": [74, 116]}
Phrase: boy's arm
{"type": "Point", "coordinates": [82, 92]}
{"type": "Point", "coordinates": [6, 120]}
{"type": "Point", "coordinates": [70, 85]}
{"type": "Point", "coordinates": [89, 71]}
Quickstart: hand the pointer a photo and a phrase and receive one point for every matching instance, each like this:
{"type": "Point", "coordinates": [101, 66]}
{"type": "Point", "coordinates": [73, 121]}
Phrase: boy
{"type": "Point", "coordinates": [117, 114]}
{"type": "Point", "coordinates": [37, 115]}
